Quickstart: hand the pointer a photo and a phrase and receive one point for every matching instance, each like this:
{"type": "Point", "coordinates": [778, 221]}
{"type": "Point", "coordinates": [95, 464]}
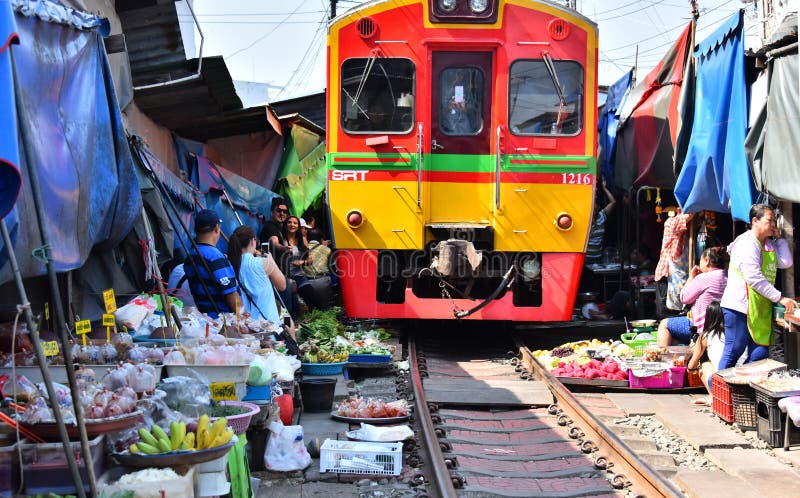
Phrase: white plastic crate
{"type": "Point", "coordinates": [352, 457]}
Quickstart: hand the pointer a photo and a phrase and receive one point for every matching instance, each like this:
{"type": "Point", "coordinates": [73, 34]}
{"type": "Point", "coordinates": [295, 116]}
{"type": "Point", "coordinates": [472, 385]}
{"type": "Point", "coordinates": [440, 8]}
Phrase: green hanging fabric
{"type": "Point", "coordinates": [239, 469]}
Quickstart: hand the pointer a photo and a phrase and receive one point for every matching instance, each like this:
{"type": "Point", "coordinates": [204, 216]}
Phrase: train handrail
{"type": "Point", "coordinates": [419, 165]}
{"type": "Point", "coordinates": [498, 164]}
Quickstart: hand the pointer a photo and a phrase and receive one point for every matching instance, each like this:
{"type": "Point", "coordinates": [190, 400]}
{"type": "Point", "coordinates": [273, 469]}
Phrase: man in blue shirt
{"type": "Point", "coordinates": [221, 283]}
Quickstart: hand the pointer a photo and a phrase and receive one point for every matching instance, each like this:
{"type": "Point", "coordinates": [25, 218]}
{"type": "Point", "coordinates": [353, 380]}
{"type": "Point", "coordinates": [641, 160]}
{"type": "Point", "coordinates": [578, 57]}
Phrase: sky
{"type": "Point", "coordinates": [282, 43]}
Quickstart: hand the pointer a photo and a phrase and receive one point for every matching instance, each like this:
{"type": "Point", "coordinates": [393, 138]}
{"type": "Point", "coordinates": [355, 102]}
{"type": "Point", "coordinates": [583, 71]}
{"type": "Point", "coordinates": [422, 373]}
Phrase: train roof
{"type": "Point", "coordinates": [371, 3]}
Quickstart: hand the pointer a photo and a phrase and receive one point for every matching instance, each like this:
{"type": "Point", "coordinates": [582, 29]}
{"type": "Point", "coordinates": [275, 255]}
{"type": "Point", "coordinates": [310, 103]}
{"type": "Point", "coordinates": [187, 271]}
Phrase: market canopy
{"type": "Point", "coordinates": [609, 121]}
{"type": "Point", "coordinates": [649, 123]}
{"type": "Point", "coordinates": [303, 170]}
{"type": "Point", "coordinates": [10, 180]}
{"type": "Point", "coordinates": [773, 143]}
{"type": "Point", "coordinates": [715, 175]}
{"type": "Point", "coordinates": [73, 139]}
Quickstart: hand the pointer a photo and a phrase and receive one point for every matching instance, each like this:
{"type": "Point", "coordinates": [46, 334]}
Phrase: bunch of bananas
{"type": "Point", "coordinates": [207, 436]}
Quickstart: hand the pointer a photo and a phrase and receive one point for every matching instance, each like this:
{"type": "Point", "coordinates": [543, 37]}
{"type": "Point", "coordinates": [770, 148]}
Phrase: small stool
{"type": "Point", "coordinates": [791, 406]}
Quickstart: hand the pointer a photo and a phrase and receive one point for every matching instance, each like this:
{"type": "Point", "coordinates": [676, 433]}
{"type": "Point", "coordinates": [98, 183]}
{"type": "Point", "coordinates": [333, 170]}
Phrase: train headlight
{"type": "Point", "coordinates": [478, 6]}
{"type": "Point", "coordinates": [448, 5]}
{"type": "Point", "coordinates": [354, 218]}
{"type": "Point", "coordinates": [564, 221]}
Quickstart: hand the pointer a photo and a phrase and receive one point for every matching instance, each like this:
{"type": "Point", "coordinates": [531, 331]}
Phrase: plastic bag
{"type": "Point", "coordinates": [284, 366]}
{"type": "Point", "coordinates": [260, 373]}
{"type": "Point", "coordinates": [369, 432]}
{"type": "Point", "coordinates": [132, 315]}
{"type": "Point", "coordinates": [285, 449]}
{"type": "Point", "coordinates": [190, 396]}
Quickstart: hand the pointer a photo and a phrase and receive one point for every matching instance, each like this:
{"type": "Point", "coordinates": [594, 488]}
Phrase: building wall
{"type": "Point", "coordinates": [158, 138]}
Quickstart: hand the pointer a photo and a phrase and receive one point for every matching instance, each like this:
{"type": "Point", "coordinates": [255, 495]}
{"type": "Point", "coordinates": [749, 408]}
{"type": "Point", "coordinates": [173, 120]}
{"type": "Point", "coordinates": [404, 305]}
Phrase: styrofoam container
{"type": "Point", "coordinates": [184, 486]}
{"type": "Point", "coordinates": [59, 374]}
{"type": "Point", "coordinates": [211, 484]}
{"type": "Point", "coordinates": [218, 465]}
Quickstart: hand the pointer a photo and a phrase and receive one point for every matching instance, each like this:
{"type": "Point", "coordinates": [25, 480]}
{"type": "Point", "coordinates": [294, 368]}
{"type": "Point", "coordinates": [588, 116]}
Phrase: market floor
{"type": "Point", "coordinates": [290, 490]}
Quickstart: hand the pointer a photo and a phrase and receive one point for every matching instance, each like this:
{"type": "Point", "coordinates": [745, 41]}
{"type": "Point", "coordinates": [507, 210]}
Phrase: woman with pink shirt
{"type": "Point", "coordinates": [748, 299]}
{"type": "Point", "coordinates": [705, 284]}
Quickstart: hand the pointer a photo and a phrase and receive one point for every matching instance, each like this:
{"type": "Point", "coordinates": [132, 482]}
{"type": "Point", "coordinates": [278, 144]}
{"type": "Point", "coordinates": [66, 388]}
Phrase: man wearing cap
{"type": "Point", "coordinates": [221, 281]}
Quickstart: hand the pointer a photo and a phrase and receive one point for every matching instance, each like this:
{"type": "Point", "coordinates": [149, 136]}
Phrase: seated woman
{"type": "Point", "coordinates": [706, 283]}
{"type": "Point", "coordinates": [257, 275]}
{"type": "Point", "coordinates": [298, 259]}
{"type": "Point", "coordinates": [707, 349]}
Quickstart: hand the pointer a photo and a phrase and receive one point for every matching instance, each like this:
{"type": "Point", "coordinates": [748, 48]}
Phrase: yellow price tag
{"type": "Point", "coordinates": [83, 327]}
{"type": "Point", "coordinates": [223, 391]}
{"type": "Point", "coordinates": [46, 311]}
{"type": "Point", "coordinates": [110, 300]}
{"type": "Point", "coordinates": [50, 348]}
{"type": "Point", "coordinates": [108, 320]}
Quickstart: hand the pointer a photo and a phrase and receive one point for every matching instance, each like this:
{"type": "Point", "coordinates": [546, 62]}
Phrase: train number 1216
{"type": "Point", "coordinates": [576, 178]}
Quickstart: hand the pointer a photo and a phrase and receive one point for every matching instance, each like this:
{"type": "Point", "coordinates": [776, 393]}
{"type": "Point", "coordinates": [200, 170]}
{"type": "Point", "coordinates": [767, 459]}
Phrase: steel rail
{"type": "Point", "coordinates": [643, 479]}
{"type": "Point", "coordinates": [440, 473]}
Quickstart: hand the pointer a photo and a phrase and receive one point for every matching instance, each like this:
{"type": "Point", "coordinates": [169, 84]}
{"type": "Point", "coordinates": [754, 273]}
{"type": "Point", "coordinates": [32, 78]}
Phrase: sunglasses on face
{"type": "Point", "coordinates": [283, 211]}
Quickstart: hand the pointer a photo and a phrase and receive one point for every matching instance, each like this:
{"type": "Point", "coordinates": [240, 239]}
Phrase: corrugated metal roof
{"type": "Point", "coordinates": [311, 107]}
{"type": "Point", "coordinates": [153, 37]}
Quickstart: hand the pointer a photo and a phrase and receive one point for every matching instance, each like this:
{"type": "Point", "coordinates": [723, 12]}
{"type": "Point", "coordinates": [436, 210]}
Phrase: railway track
{"type": "Point", "coordinates": [497, 424]}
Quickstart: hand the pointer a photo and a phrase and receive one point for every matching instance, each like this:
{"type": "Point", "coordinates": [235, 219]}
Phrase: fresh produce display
{"type": "Point", "coordinates": [591, 369]}
{"type": "Point", "coordinates": [357, 407]}
{"type": "Point", "coordinates": [156, 441]}
{"type": "Point", "coordinates": [326, 340]}
{"type": "Point", "coordinates": [313, 351]}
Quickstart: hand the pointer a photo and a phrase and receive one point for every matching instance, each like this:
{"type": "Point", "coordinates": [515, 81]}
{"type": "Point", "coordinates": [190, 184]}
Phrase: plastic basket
{"type": "Point", "coordinates": [636, 345]}
{"type": "Point", "coordinates": [239, 423]}
{"type": "Point", "coordinates": [370, 358]}
{"type": "Point", "coordinates": [351, 457]}
{"type": "Point", "coordinates": [721, 398]}
{"type": "Point", "coordinates": [666, 379]}
{"type": "Point", "coordinates": [743, 399]}
{"type": "Point", "coordinates": [770, 420]}
{"type": "Point", "coordinates": [322, 368]}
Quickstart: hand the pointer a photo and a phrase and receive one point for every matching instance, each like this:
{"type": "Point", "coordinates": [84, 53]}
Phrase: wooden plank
{"type": "Point", "coordinates": [493, 397]}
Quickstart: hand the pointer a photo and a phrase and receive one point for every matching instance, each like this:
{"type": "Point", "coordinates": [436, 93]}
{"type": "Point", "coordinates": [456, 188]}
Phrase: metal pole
{"type": "Point", "coordinates": [48, 382]}
{"type": "Point", "coordinates": [165, 306]}
{"type": "Point", "coordinates": [61, 328]}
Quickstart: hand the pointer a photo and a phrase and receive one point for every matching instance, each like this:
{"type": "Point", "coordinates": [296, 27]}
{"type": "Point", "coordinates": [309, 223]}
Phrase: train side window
{"type": "Point", "coordinates": [536, 104]}
{"type": "Point", "coordinates": [377, 95]}
{"type": "Point", "coordinates": [461, 101]}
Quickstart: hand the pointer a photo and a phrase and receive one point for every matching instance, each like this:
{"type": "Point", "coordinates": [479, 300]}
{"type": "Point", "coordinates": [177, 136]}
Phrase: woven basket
{"type": "Point", "coordinates": [239, 423]}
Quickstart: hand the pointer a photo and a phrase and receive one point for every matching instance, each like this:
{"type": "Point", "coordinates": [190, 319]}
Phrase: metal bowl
{"type": "Point", "coordinates": [174, 457]}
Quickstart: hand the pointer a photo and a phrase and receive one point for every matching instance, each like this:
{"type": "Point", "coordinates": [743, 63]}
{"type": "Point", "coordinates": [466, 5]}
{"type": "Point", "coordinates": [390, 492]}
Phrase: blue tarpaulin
{"type": "Point", "coordinates": [9, 154]}
{"type": "Point", "coordinates": [72, 136]}
{"type": "Point", "coordinates": [617, 93]}
{"type": "Point", "coordinates": [715, 174]}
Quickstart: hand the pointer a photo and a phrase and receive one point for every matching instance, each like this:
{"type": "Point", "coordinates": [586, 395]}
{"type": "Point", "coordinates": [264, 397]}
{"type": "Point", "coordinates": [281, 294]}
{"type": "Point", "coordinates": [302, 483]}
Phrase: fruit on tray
{"type": "Point", "coordinates": [594, 369]}
{"type": "Point", "coordinates": [156, 441]}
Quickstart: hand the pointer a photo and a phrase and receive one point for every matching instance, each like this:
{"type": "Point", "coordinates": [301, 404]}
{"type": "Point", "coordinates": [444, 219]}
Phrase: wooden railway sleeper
{"type": "Point", "coordinates": [458, 481]}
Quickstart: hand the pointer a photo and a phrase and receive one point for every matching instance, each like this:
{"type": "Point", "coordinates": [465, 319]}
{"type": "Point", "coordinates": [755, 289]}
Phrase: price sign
{"type": "Point", "coordinates": [223, 391]}
{"type": "Point", "coordinates": [108, 320]}
{"type": "Point", "coordinates": [110, 300]}
{"type": "Point", "coordinates": [50, 348]}
{"type": "Point", "coordinates": [83, 327]}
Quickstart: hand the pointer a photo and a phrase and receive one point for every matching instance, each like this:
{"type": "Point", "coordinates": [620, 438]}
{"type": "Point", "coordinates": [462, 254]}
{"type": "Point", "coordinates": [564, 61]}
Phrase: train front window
{"type": "Point", "coordinates": [536, 104]}
{"type": "Point", "coordinates": [377, 95]}
{"type": "Point", "coordinates": [461, 101]}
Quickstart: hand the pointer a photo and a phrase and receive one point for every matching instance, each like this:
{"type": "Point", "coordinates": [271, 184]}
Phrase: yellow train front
{"type": "Point", "coordinates": [461, 157]}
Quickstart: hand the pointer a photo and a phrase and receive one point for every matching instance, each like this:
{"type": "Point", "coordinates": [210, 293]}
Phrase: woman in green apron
{"type": "Point", "coordinates": [750, 293]}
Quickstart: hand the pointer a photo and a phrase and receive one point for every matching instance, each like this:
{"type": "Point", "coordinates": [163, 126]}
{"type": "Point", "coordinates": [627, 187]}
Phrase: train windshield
{"type": "Point", "coordinates": [536, 106]}
{"type": "Point", "coordinates": [377, 95]}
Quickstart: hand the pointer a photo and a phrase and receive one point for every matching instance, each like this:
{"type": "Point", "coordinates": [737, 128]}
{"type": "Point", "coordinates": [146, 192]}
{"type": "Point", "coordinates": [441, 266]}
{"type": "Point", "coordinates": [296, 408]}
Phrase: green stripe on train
{"type": "Point", "coordinates": [457, 163]}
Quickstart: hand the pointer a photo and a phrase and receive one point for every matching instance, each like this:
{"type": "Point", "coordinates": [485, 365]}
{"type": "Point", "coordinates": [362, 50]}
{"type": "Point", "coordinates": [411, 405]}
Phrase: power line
{"type": "Point", "coordinates": [262, 37]}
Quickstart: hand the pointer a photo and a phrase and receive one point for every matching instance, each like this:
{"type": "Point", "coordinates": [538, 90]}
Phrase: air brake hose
{"type": "Point", "coordinates": [504, 283]}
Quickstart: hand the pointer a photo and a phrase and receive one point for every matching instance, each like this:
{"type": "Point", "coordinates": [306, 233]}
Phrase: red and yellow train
{"type": "Point", "coordinates": [461, 153]}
